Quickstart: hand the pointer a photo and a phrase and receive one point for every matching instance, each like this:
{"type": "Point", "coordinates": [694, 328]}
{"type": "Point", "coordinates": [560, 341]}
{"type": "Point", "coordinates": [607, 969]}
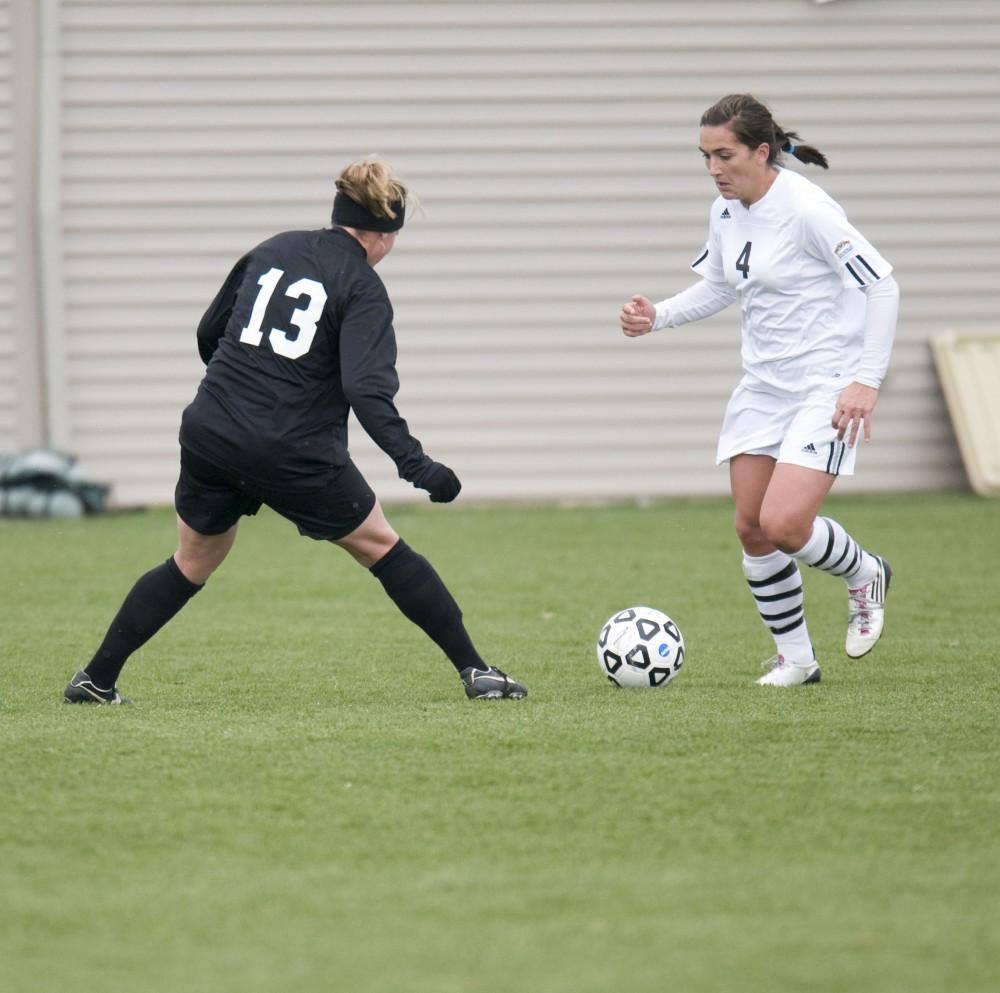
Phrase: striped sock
{"type": "Point", "coordinates": [776, 585]}
{"type": "Point", "coordinates": [834, 551]}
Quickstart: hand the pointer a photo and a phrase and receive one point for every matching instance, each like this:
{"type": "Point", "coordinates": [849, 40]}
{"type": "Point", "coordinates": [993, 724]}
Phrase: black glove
{"type": "Point", "coordinates": [442, 484]}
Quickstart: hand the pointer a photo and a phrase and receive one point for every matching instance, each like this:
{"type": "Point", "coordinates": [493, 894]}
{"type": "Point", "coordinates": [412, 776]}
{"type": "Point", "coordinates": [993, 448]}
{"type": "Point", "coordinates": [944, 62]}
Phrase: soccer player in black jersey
{"type": "Point", "coordinates": [300, 334]}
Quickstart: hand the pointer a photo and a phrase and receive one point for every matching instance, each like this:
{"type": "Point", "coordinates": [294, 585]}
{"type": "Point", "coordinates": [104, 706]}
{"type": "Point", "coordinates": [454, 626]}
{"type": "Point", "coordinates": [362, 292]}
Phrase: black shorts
{"type": "Point", "coordinates": [210, 500]}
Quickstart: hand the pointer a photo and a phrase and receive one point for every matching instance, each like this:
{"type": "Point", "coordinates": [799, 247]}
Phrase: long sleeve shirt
{"type": "Point", "coordinates": [299, 334]}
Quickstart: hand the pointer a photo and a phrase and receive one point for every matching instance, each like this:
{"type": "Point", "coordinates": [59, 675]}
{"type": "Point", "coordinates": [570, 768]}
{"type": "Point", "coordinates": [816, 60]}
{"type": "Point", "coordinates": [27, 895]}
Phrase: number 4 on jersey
{"type": "Point", "coordinates": [304, 318]}
{"type": "Point", "coordinates": [743, 262]}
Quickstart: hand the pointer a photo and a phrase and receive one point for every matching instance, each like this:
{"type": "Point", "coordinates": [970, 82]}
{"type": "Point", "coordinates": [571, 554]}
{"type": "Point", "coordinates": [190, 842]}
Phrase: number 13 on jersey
{"type": "Point", "coordinates": [304, 318]}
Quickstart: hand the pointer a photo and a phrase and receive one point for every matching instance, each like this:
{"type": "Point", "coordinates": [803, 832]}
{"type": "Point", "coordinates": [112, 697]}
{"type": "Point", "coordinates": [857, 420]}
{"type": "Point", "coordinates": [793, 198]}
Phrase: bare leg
{"type": "Point", "coordinates": [199, 555]}
{"type": "Point", "coordinates": [792, 501]}
{"type": "Point", "coordinates": [772, 575]}
{"type": "Point", "coordinates": [789, 518]}
{"type": "Point", "coordinates": [749, 478]}
{"type": "Point", "coordinates": [371, 540]}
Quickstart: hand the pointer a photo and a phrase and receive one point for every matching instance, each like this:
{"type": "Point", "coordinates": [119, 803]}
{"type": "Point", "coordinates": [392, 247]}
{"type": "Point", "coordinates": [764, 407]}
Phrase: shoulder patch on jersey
{"type": "Point", "coordinates": [843, 249]}
{"type": "Point", "coordinates": [725, 213]}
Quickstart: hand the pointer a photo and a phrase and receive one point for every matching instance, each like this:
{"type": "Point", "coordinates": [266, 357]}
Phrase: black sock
{"type": "Point", "coordinates": [154, 599]}
{"type": "Point", "coordinates": [423, 598]}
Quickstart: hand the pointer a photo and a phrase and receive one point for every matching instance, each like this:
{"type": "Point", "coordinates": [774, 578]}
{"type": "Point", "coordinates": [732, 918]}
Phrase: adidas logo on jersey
{"type": "Point", "coordinates": [810, 449]}
{"type": "Point", "coordinates": [725, 213]}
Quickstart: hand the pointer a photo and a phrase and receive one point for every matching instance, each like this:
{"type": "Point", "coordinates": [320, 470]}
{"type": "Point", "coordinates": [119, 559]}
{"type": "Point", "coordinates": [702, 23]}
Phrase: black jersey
{"type": "Point", "coordinates": [300, 333]}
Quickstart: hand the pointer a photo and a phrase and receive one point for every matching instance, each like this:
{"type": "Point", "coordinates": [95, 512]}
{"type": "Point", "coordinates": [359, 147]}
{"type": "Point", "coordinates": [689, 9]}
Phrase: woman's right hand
{"type": "Point", "coordinates": [637, 317]}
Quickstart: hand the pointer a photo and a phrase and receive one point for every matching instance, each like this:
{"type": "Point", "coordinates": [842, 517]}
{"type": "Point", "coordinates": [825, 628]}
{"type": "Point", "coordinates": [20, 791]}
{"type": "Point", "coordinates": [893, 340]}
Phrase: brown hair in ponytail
{"type": "Point", "coordinates": [752, 124]}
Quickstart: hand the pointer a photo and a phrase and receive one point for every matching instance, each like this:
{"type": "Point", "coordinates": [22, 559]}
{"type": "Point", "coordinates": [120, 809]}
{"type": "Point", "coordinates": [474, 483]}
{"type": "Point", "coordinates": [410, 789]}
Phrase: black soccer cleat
{"type": "Point", "coordinates": [81, 689]}
{"type": "Point", "coordinates": [491, 684]}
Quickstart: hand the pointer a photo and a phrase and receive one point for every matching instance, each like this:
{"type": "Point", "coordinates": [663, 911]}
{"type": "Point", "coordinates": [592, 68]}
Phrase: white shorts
{"type": "Point", "coordinates": [789, 428]}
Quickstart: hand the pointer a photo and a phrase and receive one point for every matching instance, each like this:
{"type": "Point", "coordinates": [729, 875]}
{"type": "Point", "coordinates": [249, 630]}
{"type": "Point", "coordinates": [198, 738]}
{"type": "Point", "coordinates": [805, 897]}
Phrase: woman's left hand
{"type": "Point", "coordinates": [854, 408]}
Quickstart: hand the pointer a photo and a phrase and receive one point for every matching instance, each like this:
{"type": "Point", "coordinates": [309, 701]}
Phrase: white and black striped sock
{"type": "Point", "coordinates": [834, 551]}
{"type": "Point", "coordinates": [776, 585]}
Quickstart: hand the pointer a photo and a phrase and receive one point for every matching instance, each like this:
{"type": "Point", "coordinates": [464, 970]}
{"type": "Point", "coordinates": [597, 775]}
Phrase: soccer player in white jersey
{"type": "Point", "coordinates": [818, 308]}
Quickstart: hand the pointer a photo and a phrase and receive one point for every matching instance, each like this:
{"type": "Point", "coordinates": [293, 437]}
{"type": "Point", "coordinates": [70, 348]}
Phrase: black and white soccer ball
{"type": "Point", "coordinates": [640, 647]}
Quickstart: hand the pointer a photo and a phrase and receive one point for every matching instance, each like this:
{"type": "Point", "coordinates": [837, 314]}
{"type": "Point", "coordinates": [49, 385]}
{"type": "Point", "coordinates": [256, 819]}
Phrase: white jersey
{"type": "Point", "coordinates": [797, 267]}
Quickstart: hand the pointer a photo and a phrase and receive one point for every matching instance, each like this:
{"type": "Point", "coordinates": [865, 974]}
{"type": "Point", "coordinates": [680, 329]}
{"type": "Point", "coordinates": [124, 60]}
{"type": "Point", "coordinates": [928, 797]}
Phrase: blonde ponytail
{"type": "Point", "coordinates": [372, 184]}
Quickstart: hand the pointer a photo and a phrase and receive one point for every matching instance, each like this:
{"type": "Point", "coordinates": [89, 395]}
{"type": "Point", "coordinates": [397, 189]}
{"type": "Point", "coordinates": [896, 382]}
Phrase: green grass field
{"type": "Point", "coordinates": [303, 800]}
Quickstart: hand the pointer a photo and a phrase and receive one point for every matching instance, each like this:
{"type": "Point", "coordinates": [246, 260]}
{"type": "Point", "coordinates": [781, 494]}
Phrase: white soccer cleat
{"type": "Point", "coordinates": [867, 612]}
{"type": "Point", "coordinates": [785, 673]}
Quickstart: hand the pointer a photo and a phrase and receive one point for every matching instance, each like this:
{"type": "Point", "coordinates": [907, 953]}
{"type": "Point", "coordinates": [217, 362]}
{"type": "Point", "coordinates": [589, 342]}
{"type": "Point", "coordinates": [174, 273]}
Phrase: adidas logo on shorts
{"type": "Point", "coordinates": [810, 449]}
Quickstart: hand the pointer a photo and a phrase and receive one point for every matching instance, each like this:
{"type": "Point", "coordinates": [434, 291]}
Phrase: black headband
{"type": "Point", "coordinates": [351, 214]}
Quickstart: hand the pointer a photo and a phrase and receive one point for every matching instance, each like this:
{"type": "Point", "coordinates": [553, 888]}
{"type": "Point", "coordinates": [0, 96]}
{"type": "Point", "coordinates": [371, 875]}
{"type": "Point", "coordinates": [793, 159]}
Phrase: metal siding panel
{"type": "Point", "coordinates": [553, 146]}
{"type": "Point", "coordinates": [9, 386]}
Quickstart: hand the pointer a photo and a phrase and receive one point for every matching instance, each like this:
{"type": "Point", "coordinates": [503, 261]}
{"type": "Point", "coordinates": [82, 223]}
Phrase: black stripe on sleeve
{"type": "Point", "coordinates": [701, 258]}
{"type": "Point", "coordinates": [861, 259]}
{"type": "Point", "coordinates": [861, 282]}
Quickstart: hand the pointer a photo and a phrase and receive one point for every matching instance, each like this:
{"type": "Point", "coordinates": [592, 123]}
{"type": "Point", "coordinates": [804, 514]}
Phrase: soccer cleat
{"type": "Point", "coordinates": [81, 689]}
{"type": "Point", "coordinates": [867, 612]}
{"type": "Point", "coordinates": [491, 684]}
{"type": "Point", "coordinates": [784, 673]}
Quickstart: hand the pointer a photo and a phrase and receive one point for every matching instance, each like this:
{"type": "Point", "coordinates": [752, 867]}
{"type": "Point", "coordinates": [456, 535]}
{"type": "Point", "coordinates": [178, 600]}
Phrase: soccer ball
{"type": "Point", "coordinates": [640, 647]}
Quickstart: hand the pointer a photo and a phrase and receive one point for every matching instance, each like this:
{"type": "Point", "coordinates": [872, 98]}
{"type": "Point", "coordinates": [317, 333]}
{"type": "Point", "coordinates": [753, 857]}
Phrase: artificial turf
{"type": "Point", "coordinates": [302, 799]}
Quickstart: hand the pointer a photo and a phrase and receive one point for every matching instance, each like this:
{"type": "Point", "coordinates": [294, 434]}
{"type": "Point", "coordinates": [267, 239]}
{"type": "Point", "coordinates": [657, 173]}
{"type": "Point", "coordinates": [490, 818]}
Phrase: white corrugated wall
{"type": "Point", "coordinates": [8, 380]}
{"type": "Point", "coordinates": [554, 148]}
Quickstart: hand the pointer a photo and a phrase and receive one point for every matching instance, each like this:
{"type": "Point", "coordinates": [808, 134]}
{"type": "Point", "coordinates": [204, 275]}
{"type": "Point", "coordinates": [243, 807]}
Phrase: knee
{"type": "Point", "coordinates": [380, 546]}
{"type": "Point", "coordinates": [783, 530]}
{"type": "Point", "coordinates": [199, 555]}
{"type": "Point", "coordinates": [371, 544]}
{"type": "Point", "coordinates": [748, 530]}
